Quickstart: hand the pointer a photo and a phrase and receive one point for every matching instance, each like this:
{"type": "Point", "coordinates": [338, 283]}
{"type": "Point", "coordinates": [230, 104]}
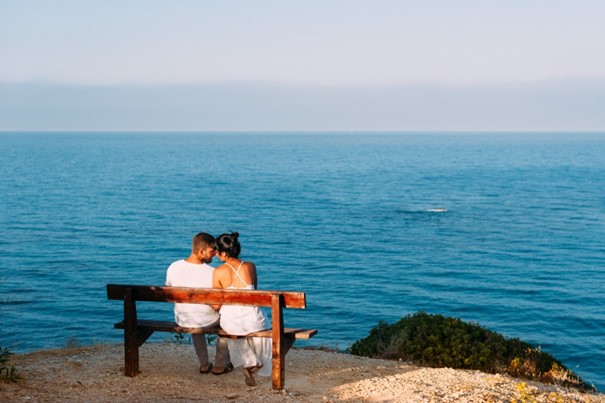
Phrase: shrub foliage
{"type": "Point", "coordinates": [7, 373]}
{"type": "Point", "coordinates": [440, 341]}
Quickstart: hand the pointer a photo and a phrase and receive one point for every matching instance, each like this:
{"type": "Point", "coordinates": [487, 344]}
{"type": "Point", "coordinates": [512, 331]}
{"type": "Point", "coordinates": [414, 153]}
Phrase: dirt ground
{"type": "Point", "coordinates": [170, 374]}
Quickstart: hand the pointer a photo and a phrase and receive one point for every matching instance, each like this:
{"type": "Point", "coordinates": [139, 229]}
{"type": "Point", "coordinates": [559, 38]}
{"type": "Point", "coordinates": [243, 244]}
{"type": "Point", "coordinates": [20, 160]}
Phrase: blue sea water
{"type": "Point", "coordinates": [503, 229]}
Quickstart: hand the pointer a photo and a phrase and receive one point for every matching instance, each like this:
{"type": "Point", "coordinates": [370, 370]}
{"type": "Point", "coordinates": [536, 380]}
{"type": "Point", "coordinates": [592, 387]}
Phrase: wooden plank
{"type": "Point", "coordinates": [164, 326]}
{"type": "Point", "coordinates": [304, 334]}
{"type": "Point", "coordinates": [292, 299]}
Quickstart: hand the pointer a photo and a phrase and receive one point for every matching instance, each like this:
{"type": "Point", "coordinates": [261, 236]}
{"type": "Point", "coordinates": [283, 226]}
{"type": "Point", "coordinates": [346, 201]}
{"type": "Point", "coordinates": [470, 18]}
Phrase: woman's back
{"type": "Point", "coordinates": [237, 319]}
{"type": "Point", "coordinates": [237, 274]}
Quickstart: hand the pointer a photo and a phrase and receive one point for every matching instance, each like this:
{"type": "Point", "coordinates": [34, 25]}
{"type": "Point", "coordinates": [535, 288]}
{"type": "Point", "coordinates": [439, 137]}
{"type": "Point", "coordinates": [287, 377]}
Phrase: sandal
{"type": "Point", "coordinates": [207, 370]}
{"type": "Point", "coordinates": [228, 368]}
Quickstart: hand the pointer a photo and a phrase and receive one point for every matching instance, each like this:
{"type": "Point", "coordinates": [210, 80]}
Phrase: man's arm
{"type": "Point", "coordinates": [168, 280]}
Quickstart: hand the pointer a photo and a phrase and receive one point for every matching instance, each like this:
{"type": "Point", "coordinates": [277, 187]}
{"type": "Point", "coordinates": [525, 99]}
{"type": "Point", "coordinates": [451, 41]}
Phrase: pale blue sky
{"type": "Point", "coordinates": [385, 65]}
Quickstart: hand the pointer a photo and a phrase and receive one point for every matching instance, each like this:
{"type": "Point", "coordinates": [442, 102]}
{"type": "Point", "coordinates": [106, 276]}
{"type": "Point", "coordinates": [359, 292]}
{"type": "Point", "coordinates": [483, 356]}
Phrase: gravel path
{"type": "Point", "coordinates": [169, 374]}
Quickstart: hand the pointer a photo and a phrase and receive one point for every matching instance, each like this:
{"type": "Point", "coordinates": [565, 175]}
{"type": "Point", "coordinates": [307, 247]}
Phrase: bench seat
{"type": "Point", "coordinates": [162, 326]}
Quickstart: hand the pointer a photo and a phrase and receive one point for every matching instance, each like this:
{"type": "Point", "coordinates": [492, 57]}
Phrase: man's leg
{"type": "Point", "coordinates": [201, 349]}
{"type": "Point", "coordinates": [221, 359]}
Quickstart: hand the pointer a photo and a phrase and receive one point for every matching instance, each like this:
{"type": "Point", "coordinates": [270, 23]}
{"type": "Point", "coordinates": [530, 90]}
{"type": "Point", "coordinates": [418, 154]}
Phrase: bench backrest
{"type": "Point", "coordinates": [213, 296]}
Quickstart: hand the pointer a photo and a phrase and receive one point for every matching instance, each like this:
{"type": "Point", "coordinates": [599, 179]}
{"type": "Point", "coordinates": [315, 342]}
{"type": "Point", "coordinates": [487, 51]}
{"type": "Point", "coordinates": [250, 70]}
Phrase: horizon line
{"type": "Point", "coordinates": [294, 131]}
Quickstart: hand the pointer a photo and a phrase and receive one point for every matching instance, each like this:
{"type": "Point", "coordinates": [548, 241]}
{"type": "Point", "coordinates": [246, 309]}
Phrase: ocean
{"type": "Point", "coordinates": [506, 230]}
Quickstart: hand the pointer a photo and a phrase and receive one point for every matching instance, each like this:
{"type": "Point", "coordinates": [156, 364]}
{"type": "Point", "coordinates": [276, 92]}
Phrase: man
{"type": "Point", "coordinates": [195, 272]}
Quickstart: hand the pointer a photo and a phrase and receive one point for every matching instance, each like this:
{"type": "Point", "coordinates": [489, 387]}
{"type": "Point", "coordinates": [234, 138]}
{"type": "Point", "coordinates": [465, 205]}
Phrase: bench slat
{"type": "Point", "coordinates": [163, 326]}
{"type": "Point", "coordinates": [292, 299]}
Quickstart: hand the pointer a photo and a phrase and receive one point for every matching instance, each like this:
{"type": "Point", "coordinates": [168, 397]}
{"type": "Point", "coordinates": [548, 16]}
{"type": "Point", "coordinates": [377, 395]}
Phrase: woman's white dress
{"type": "Point", "coordinates": [242, 320]}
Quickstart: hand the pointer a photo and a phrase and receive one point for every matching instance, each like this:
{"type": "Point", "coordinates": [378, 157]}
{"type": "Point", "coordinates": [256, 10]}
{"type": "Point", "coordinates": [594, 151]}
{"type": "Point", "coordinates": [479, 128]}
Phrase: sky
{"type": "Point", "coordinates": [302, 65]}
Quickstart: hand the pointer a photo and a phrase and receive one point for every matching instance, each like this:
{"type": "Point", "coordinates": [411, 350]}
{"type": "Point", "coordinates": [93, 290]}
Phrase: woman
{"type": "Point", "coordinates": [253, 354]}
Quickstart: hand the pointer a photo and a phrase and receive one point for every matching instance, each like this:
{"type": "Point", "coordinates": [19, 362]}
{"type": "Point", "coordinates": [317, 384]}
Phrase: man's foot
{"type": "Point", "coordinates": [204, 369]}
{"type": "Point", "coordinates": [225, 370]}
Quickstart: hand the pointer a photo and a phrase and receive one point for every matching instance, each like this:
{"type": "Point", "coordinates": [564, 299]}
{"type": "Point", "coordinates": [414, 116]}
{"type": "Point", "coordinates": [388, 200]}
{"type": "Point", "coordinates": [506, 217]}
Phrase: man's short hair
{"type": "Point", "coordinates": [202, 240]}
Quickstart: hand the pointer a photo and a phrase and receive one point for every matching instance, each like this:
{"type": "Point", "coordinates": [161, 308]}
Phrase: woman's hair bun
{"type": "Point", "coordinates": [229, 244]}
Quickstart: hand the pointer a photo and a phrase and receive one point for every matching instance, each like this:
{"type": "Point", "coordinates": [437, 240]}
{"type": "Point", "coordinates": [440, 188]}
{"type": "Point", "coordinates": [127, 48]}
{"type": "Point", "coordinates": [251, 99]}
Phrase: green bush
{"type": "Point", "coordinates": [7, 373]}
{"type": "Point", "coordinates": [440, 341]}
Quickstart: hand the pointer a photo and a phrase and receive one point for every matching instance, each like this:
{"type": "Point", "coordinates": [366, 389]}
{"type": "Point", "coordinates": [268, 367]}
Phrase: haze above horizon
{"type": "Point", "coordinates": [339, 65]}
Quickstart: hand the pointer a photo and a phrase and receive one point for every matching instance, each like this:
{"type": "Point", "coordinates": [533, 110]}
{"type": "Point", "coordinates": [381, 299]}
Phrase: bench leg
{"type": "Point", "coordinates": [131, 345]}
{"type": "Point", "coordinates": [278, 350]}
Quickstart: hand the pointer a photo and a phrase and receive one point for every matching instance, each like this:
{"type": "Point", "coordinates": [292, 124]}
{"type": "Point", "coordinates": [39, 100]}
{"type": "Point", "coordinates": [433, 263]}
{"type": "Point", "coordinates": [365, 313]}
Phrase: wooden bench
{"type": "Point", "coordinates": [137, 331]}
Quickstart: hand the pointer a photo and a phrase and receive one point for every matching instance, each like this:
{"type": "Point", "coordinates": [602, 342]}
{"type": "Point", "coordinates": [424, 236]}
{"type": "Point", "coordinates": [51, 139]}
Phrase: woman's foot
{"type": "Point", "coordinates": [248, 375]}
{"type": "Point", "coordinates": [248, 372]}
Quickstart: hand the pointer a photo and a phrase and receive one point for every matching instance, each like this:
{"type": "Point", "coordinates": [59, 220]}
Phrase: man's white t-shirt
{"type": "Point", "coordinates": [184, 274]}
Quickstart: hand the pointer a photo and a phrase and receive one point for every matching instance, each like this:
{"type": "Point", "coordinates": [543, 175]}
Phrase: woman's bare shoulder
{"type": "Point", "coordinates": [221, 269]}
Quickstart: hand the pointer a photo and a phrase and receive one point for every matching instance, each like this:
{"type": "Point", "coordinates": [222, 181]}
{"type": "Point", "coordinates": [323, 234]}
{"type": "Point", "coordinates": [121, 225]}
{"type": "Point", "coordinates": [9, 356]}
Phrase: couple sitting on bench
{"type": "Point", "coordinates": [252, 354]}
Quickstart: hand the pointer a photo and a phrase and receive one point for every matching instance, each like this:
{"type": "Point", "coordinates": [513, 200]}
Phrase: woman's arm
{"type": "Point", "coordinates": [253, 277]}
{"type": "Point", "coordinates": [216, 283]}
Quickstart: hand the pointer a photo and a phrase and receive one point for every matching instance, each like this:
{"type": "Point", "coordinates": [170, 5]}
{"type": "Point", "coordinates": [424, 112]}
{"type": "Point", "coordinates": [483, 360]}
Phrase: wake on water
{"type": "Point", "coordinates": [436, 210]}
